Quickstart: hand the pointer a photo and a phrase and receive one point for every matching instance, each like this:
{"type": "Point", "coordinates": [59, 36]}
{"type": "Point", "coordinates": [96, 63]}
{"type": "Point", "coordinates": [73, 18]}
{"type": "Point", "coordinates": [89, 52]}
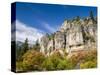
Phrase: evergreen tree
{"type": "Point", "coordinates": [25, 45]}
{"type": "Point", "coordinates": [65, 39]}
{"type": "Point", "coordinates": [20, 50]}
{"type": "Point", "coordinates": [36, 46]}
{"type": "Point", "coordinates": [77, 18]}
{"type": "Point", "coordinates": [53, 36]}
{"type": "Point", "coordinates": [91, 15]}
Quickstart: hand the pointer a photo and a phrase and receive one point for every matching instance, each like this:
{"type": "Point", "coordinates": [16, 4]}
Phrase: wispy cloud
{"type": "Point", "coordinates": [24, 31]}
{"type": "Point", "coordinates": [48, 27]}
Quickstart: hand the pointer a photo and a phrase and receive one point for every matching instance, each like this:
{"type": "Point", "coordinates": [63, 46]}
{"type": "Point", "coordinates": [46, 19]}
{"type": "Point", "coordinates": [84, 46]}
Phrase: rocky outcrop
{"type": "Point", "coordinates": [73, 35]}
{"type": "Point", "coordinates": [59, 40]}
{"type": "Point", "coordinates": [44, 43]}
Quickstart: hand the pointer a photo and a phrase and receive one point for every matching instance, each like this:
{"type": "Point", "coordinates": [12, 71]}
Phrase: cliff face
{"type": "Point", "coordinates": [73, 35]}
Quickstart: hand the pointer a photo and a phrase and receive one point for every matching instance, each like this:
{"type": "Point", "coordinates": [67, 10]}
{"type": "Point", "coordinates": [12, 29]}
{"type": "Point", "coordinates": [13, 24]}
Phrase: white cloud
{"type": "Point", "coordinates": [24, 31]}
{"type": "Point", "coordinates": [48, 27]}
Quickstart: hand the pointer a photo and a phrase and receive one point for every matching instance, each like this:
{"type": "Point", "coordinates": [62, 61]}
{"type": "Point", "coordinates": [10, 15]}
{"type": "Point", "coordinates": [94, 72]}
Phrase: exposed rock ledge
{"type": "Point", "coordinates": [73, 35]}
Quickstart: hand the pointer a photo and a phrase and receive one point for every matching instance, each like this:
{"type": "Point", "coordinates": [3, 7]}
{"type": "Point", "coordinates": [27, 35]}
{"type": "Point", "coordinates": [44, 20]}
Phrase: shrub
{"type": "Point", "coordinates": [88, 64]}
{"type": "Point", "coordinates": [91, 55]}
{"type": "Point", "coordinates": [74, 60]}
{"type": "Point", "coordinates": [90, 60]}
{"type": "Point", "coordinates": [52, 61]}
{"type": "Point", "coordinates": [19, 66]}
{"type": "Point", "coordinates": [86, 59]}
{"type": "Point", "coordinates": [57, 62]}
{"type": "Point", "coordinates": [32, 60]}
{"type": "Point", "coordinates": [48, 64]}
{"type": "Point", "coordinates": [64, 64]}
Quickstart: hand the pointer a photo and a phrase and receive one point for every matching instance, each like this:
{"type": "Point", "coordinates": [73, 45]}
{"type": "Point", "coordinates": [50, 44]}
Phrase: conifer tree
{"type": "Point", "coordinates": [77, 18]}
{"type": "Point", "coordinates": [91, 15]}
{"type": "Point", "coordinates": [25, 45]}
{"type": "Point", "coordinates": [36, 46]}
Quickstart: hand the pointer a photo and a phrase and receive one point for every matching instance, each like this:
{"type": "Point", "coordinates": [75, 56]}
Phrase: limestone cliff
{"type": "Point", "coordinates": [73, 35]}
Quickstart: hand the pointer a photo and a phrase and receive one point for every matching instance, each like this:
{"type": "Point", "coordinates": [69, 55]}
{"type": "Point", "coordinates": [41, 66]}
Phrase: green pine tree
{"type": "Point", "coordinates": [77, 18]}
{"type": "Point", "coordinates": [25, 45]}
{"type": "Point", "coordinates": [36, 46]}
{"type": "Point", "coordinates": [91, 15]}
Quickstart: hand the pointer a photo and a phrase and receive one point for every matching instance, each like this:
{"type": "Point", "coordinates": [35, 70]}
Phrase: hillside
{"type": "Point", "coordinates": [73, 46]}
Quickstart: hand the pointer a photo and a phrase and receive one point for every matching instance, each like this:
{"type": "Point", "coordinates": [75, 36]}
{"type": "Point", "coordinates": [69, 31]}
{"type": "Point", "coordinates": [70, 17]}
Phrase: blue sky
{"type": "Point", "coordinates": [48, 18]}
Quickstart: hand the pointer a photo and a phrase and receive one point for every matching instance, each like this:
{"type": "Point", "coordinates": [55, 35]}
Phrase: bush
{"type": "Point", "coordinates": [56, 62]}
{"type": "Point", "coordinates": [88, 64]}
{"type": "Point", "coordinates": [19, 66]}
{"type": "Point", "coordinates": [32, 60]}
{"type": "Point", "coordinates": [52, 61]}
{"type": "Point", "coordinates": [91, 55]}
{"type": "Point", "coordinates": [48, 64]}
{"type": "Point", "coordinates": [64, 64]}
{"type": "Point", "coordinates": [90, 60]}
{"type": "Point", "coordinates": [86, 59]}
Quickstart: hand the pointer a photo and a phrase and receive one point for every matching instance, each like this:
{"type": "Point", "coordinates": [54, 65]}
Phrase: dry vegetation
{"type": "Point", "coordinates": [36, 61]}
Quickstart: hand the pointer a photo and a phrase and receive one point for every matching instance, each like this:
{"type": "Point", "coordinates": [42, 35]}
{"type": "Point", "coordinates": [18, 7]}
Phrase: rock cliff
{"type": "Point", "coordinates": [73, 35]}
